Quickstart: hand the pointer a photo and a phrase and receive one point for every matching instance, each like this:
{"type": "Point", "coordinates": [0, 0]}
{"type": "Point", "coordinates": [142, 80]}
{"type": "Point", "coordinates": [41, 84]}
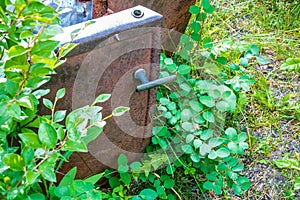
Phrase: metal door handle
{"type": "Point", "coordinates": [140, 75]}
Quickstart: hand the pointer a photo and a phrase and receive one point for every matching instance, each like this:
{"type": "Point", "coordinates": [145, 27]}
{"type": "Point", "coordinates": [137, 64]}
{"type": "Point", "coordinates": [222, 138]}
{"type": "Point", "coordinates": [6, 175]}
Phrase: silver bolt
{"type": "Point", "coordinates": [117, 37]}
{"type": "Point", "coordinates": [137, 13]}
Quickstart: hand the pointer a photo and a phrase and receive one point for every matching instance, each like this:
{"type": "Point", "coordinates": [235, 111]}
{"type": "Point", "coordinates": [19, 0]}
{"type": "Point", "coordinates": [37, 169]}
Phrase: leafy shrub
{"type": "Point", "coordinates": [31, 144]}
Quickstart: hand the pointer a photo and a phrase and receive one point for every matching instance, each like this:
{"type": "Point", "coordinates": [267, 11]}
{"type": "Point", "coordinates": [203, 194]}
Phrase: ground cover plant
{"type": "Point", "coordinates": [254, 46]}
{"type": "Point", "coordinates": [228, 128]}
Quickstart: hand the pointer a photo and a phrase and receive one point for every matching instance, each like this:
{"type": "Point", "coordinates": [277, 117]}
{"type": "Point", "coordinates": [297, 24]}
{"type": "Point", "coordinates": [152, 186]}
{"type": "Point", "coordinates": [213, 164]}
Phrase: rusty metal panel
{"type": "Point", "coordinates": [110, 51]}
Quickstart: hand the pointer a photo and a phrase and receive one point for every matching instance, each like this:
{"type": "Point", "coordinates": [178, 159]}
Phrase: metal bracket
{"type": "Point", "coordinates": [140, 75]}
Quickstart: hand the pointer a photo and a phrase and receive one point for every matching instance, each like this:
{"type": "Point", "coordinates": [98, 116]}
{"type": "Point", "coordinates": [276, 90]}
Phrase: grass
{"type": "Point", "coordinates": [273, 25]}
{"type": "Point", "coordinates": [272, 116]}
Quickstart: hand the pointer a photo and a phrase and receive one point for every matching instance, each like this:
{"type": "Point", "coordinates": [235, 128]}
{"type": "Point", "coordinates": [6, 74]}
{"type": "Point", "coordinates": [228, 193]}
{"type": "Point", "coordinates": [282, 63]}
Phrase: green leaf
{"type": "Point", "coordinates": [160, 190]}
{"type": "Point", "coordinates": [187, 126]}
{"type": "Point", "coordinates": [27, 154]}
{"type": "Point", "coordinates": [189, 138]}
{"type": "Point", "coordinates": [233, 162]}
{"type": "Point", "coordinates": [207, 43]}
{"type": "Point", "coordinates": [206, 134]}
{"type": "Point", "coordinates": [208, 101]}
{"type": "Point", "coordinates": [222, 60]}
{"type": "Point", "coordinates": [92, 134]}
{"type": "Point", "coordinates": [120, 111]}
{"type": "Point", "coordinates": [72, 145]}
{"type": "Point", "coordinates": [67, 48]}
{"type": "Point", "coordinates": [75, 32]}
{"type": "Point", "coordinates": [61, 191]}
{"type": "Point", "coordinates": [169, 183]}
{"type": "Point", "coordinates": [168, 61]}
{"type": "Point", "coordinates": [208, 116]}
{"type": "Point", "coordinates": [233, 176]}
{"type": "Point", "coordinates": [208, 185]}
{"type": "Point", "coordinates": [148, 194]}
{"type": "Point", "coordinates": [204, 149]}
{"type": "Point", "coordinates": [60, 93]}
{"type": "Point", "coordinates": [197, 143]}
{"type": "Point", "coordinates": [60, 133]}
{"type": "Point", "coordinates": [31, 139]}
{"type": "Point", "coordinates": [196, 26]}
{"type": "Point", "coordinates": [217, 189]}
{"type": "Point", "coordinates": [214, 142]}
{"type": "Point", "coordinates": [195, 105]}
{"type": "Point", "coordinates": [186, 115]}
{"type": "Point", "coordinates": [244, 61]}
{"type": "Point", "coordinates": [184, 69]}
{"type": "Point", "coordinates": [37, 196]}
{"type": "Point", "coordinates": [114, 182]}
{"type": "Point", "coordinates": [164, 101]}
{"type": "Point", "coordinates": [195, 158]}
{"type": "Point", "coordinates": [122, 163]}
{"type": "Point", "coordinates": [122, 159]}
{"type": "Point", "coordinates": [69, 177]}
{"type": "Point", "coordinates": [47, 135]}
{"type": "Point", "coordinates": [45, 46]}
{"type": "Point", "coordinates": [186, 148]}
{"type": "Point", "coordinates": [238, 168]}
{"type": "Point", "coordinates": [287, 163]}
{"type": "Point", "coordinates": [261, 60]}
{"type": "Point", "coordinates": [222, 166]}
{"type": "Point", "coordinates": [11, 87]}
{"type": "Point", "coordinates": [14, 111]}
{"type": "Point", "coordinates": [291, 64]}
{"type": "Point", "coordinates": [243, 182]}
{"type": "Point", "coordinates": [125, 177]}
{"type": "Point", "coordinates": [26, 102]}
{"type": "Point", "coordinates": [102, 98]}
{"type": "Point", "coordinates": [31, 177]}
{"type": "Point", "coordinates": [81, 187]}
{"type": "Point", "coordinates": [237, 189]}
{"type": "Point", "coordinates": [194, 9]}
{"type": "Point", "coordinates": [17, 50]}
{"type": "Point", "coordinates": [171, 106]}
{"type": "Point", "coordinates": [205, 4]}
{"type": "Point", "coordinates": [242, 137]}
{"type": "Point", "coordinates": [48, 103]}
{"type": "Point", "coordinates": [223, 152]}
{"type": "Point", "coordinates": [231, 133]}
{"type": "Point", "coordinates": [51, 31]}
{"type": "Point", "coordinates": [186, 88]}
{"type": "Point", "coordinates": [95, 178]}
{"type": "Point", "coordinates": [212, 176]}
{"type": "Point", "coordinates": [59, 115]}
{"type": "Point", "coordinates": [160, 131]}
{"type": "Point", "coordinates": [47, 168]}
{"type": "Point", "coordinates": [14, 161]}
{"type": "Point", "coordinates": [233, 66]}
{"type": "Point", "coordinates": [212, 155]}
{"type": "Point", "coordinates": [135, 166]}
{"type": "Point", "coordinates": [254, 50]}
{"type": "Point", "coordinates": [233, 147]}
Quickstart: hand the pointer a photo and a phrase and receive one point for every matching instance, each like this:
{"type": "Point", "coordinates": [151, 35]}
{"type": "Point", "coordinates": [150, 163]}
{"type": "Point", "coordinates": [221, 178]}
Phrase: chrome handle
{"type": "Point", "coordinates": [140, 75]}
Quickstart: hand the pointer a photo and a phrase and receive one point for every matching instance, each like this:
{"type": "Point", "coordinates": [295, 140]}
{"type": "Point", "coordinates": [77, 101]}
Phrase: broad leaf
{"type": "Point", "coordinates": [47, 135]}
{"type": "Point", "coordinates": [14, 161]}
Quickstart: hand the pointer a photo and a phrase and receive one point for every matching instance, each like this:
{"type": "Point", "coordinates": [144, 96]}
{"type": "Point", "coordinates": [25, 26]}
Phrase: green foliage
{"type": "Point", "coordinates": [192, 138]}
{"type": "Point", "coordinates": [32, 145]}
{"type": "Point", "coordinates": [291, 64]}
{"type": "Point", "coordinates": [290, 165]}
